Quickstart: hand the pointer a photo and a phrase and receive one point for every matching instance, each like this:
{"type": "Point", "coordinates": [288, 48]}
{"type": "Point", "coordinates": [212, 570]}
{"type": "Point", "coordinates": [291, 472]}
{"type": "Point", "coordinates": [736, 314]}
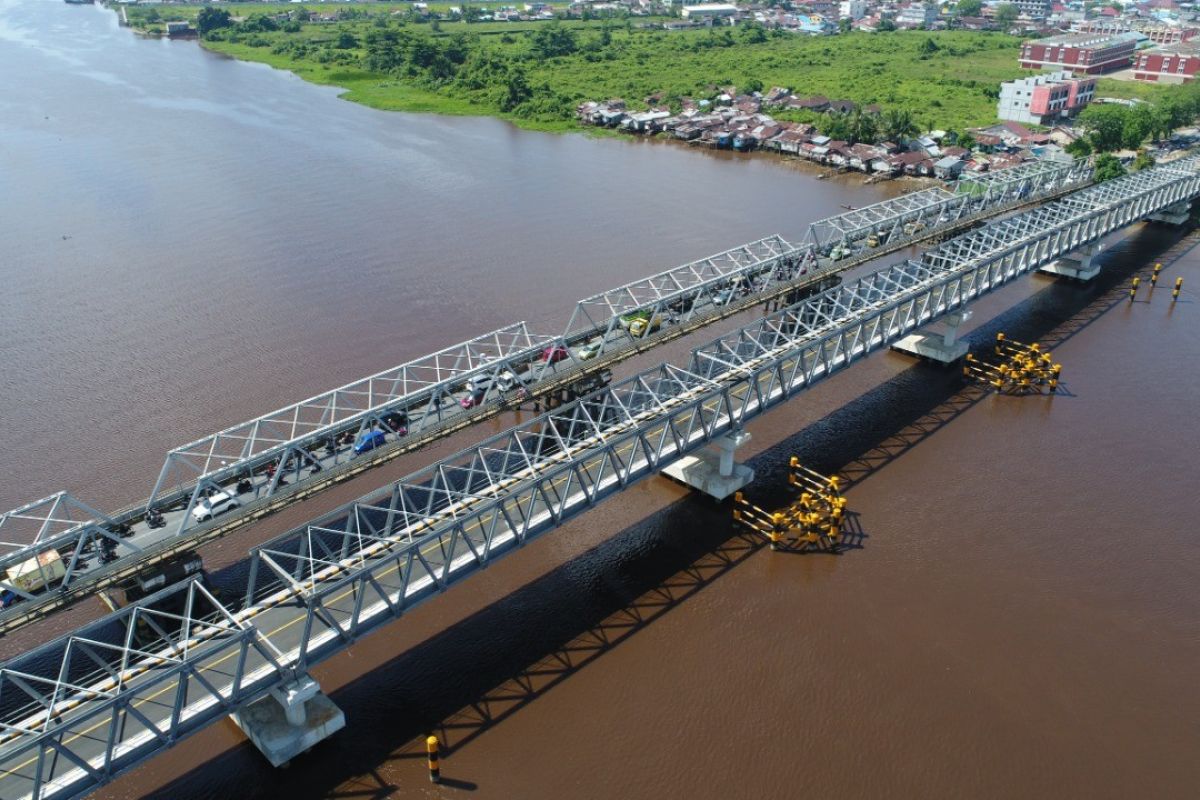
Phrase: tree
{"type": "Point", "coordinates": [1141, 122]}
{"type": "Point", "coordinates": [966, 140]}
{"type": "Point", "coordinates": [837, 126]}
{"type": "Point", "coordinates": [863, 127]}
{"type": "Point", "coordinates": [1105, 125]}
{"type": "Point", "coordinates": [969, 8]}
{"type": "Point", "coordinates": [928, 47]}
{"type": "Point", "coordinates": [1006, 15]}
{"type": "Point", "coordinates": [516, 90]}
{"type": "Point", "coordinates": [1079, 148]}
{"type": "Point", "coordinates": [886, 25]}
{"type": "Point", "coordinates": [553, 40]}
{"type": "Point", "coordinates": [210, 19]}
{"type": "Point", "coordinates": [845, 25]}
{"type": "Point", "coordinates": [753, 85]}
{"type": "Point", "coordinates": [897, 125]}
{"type": "Point", "coordinates": [1143, 161]}
{"type": "Point", "coordinates": [753, 33]}
{"type": "Point", "coordinates": [1107, 168]}
{"type": "Point", "coordinates": [346, 41]}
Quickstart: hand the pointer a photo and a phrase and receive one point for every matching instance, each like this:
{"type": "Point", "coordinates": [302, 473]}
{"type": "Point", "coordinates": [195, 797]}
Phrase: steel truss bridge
{"type": "Point", "coordinates": [283, 456]}
{"type": "Point", "coordinates": [79, 710]}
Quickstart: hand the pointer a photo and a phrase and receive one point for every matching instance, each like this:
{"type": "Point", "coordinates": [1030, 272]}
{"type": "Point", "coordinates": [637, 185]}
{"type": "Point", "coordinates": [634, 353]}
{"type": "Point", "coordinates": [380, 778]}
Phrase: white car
{"type": "Point", "coordinates": [213, 506]}
{"type": "Point", "coordinates": [481, 383]}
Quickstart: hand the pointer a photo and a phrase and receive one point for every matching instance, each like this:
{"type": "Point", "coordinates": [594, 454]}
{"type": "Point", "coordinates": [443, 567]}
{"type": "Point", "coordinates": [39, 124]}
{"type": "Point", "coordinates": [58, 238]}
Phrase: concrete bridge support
{"type": "Point", "coordinates": [1080, 266]}
{"type": "Point", "coordinates": [944, 347]}
{"type": "Point", "coordinates": [1176, 214]}
{"type": "Point", "coordinates": [713, 471]}
{"type": "Point", "coordinates": [290, 720]}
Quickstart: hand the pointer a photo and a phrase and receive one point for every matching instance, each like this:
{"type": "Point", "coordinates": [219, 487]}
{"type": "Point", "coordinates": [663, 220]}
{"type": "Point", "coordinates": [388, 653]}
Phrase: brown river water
{"type": "Point", "coordinates": [190, 241]}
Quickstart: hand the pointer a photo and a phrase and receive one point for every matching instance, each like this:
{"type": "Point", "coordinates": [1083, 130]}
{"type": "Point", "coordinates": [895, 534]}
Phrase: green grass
{"type": "Point", "coordinates": [953, 86]}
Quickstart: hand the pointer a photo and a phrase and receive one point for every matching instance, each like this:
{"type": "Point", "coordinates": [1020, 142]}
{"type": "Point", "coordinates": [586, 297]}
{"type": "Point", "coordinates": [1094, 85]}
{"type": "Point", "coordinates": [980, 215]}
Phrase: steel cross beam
{"type": "Point", "coordinates": [77, 711]}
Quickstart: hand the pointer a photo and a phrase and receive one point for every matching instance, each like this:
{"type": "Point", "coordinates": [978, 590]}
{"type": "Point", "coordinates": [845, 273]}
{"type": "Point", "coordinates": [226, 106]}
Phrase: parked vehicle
{"type": "Point", "coordinates": [369, 441]}
{"type": "Point", "coordinates": [214, 505]}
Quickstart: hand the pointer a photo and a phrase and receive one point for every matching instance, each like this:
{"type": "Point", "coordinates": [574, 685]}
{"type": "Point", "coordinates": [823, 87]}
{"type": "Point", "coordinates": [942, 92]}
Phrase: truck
{"type": "Point", "coordinates": [38, 572]}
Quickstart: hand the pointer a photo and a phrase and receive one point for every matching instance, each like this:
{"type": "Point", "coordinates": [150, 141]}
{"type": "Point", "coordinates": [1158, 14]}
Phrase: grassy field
{"type": "Point", "coordinates": [945, 79]}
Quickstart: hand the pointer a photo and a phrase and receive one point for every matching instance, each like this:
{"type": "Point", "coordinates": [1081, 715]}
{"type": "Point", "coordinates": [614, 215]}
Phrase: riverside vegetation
{"type": "Point", "coordinates": [534, 74]}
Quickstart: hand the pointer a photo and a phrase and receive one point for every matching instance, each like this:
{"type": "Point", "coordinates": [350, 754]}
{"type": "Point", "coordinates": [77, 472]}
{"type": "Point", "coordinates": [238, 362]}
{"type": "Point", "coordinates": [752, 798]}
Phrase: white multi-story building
{"type": "Point", "coordinates": [1034, 9]}
{"type": "Point", "coordinates": [1044, 99]}
{"type": "Point", "coordinates": [852, 9]}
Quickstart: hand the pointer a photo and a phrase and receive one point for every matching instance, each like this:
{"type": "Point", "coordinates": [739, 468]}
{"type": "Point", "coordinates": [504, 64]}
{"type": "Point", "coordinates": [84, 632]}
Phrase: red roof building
{"type": "Point", "coordinates": [1176, 63]}
{"type": "Point", "coordinates": [1086, 54]}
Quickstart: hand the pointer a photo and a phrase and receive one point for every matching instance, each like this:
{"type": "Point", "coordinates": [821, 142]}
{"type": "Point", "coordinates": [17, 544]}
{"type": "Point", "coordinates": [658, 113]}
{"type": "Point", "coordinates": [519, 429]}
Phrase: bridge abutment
{"type": "Point", "coordinates": [942, 347]}
{"type": "Point", "coordinates": [713, 471]}
{"type": "Point", "coordinates": [290, 720]}
{"type": "Point", "coordinates": [1080, 266]}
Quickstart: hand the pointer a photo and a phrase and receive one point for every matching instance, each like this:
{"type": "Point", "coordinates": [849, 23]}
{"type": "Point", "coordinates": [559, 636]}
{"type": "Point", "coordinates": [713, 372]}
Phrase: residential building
{"type": "Point", "coordinates": [1034, 9]}
{"type": "Point", "coordinates": [1177, 63]}
{"type": "Point", "coordinates": [710, 11]}
{"type": "Point", "coordinates": [1044, 99]}
{"type": "Point", "coordinates": [914, 15]}
{"type": "Point", "coordinates": [852, 9]}
{"type": "Point", "coordinates": [1087, 53]}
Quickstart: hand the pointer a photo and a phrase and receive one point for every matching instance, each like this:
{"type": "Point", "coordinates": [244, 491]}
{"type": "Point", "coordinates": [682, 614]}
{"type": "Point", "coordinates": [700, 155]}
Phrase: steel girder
{"type": "Point", "coordinates": [602, 312]}
{"type": "Point", "coordinates": [89, 704]}
{"type": "Point", "coordinates": [890, 219]}
{"type": "Point", "coordinates": [420, 387]}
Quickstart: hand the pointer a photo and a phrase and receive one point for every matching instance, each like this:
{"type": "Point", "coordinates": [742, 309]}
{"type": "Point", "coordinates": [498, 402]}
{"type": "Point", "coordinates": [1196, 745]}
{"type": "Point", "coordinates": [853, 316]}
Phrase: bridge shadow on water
{"type": "Point", "coordinates": [469, 678]}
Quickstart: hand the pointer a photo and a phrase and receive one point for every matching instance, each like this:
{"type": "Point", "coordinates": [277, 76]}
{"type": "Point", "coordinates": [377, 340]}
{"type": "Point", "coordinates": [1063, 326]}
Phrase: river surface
{"type": "Point", "coordinates": [190, 241]}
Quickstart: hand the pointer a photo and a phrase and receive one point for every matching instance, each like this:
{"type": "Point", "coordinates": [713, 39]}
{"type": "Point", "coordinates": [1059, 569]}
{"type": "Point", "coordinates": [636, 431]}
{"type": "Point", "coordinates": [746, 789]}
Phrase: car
{"type": "Point", "coordinates": [555, 353]}
{"type": "Point", "coordinates": [471, 400]}
{"type": "Point", "coordinates": [724, 296]}
{"type": "Point", "coordinates": [481, 383]}
{"type": "Point", "coordinates": [588, 351]}
{"type": "Point", "coordinates": [214, 505]}
{"type": "Point", "coordinates": [369, 441]}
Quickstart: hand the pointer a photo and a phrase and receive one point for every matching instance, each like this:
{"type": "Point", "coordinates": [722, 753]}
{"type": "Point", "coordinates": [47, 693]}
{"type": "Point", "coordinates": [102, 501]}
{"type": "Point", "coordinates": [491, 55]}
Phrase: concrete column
{"type": "Point", "coordinates": [289, 720]}
{"type": "Point", "coordinates": [713, 471]}
{"type": "Point", "coordinates": [944, 348]}
{"type": "Point", "coordinates": [1081, 266]}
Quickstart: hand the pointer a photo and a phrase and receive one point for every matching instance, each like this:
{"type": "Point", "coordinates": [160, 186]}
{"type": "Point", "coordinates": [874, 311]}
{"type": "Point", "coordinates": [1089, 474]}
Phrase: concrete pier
{"type": "Point", "coordinates": [944, 347]}
{"type": "Point", "coordinates": [1173, 215]}
{"type": "Point", "coordinates": [290, 720]}
{"type": "Point", "coordinates": [713, 471]}
{"type": "Point", "coordinates": [1081, 267]}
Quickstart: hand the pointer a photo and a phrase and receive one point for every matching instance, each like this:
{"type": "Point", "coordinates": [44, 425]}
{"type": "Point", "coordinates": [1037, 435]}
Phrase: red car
{"type": "Point", "coordinates": [554, 354]}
